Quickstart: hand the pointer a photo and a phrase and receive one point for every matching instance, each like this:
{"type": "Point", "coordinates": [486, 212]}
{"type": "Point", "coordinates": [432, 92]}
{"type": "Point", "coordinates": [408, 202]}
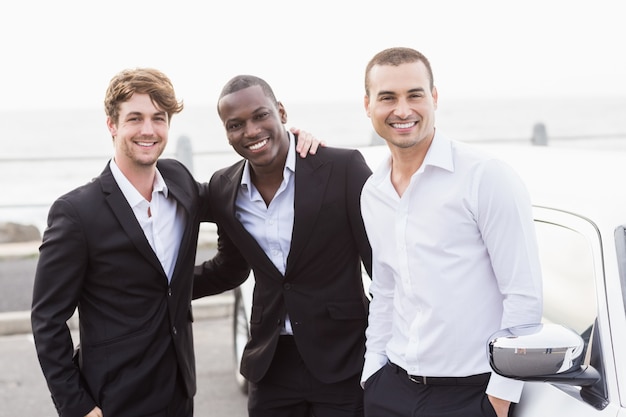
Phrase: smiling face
{"type": "Point", "coordinates": [401, 104]}
{"type": "Point", "coordinates": [255, 127]}
{"type": "Point", "coordinates": [140, 133]}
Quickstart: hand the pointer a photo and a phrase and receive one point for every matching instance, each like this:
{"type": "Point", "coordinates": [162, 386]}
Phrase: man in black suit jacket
{"type": "Point", "coordinates": [298, 224]}
{"type": "Point", "coordinates": [121, 249]}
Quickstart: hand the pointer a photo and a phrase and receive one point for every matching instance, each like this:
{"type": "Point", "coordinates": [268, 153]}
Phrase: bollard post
{"type": "Point", "coordinates": [540, 135]}
{"type": "Point", "coordinates": [184, 152]}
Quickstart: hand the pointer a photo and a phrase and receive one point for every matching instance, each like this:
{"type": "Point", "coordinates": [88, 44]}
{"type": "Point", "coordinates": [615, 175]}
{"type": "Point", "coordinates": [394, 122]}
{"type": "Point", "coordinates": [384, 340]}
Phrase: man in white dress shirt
{"type": "Point", "coordinates": [454, 256]}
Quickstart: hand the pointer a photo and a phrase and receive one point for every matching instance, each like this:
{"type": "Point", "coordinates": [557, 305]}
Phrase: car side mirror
{"type": "Point", "coordinates": [541, 352]}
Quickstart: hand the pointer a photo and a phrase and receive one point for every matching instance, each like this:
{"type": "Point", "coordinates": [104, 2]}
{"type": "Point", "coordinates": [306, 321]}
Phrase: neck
{"type": "Point", "coordinates": [405, 162]}
{"type": "Point", "coordinates": [267, 181]}
{"type": "Point", "coordinates": [271, 172]}
{"type": "Point", "coordinates": [267, 178]}
{"type": "Point", "coordinates": [141, 177]}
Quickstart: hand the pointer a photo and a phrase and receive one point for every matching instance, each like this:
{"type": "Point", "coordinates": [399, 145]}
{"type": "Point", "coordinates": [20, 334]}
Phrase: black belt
{"type": "Point", "coordinates": [480, 379]}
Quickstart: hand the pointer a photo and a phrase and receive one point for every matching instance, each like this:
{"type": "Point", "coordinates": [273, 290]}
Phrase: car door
{"type": "Point", "coordinates": [573, 275]}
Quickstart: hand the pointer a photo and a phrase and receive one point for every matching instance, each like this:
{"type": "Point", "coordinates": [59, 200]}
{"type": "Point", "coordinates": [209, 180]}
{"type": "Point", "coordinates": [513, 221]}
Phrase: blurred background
{"type": "Point", "coordinates": [501, 69]}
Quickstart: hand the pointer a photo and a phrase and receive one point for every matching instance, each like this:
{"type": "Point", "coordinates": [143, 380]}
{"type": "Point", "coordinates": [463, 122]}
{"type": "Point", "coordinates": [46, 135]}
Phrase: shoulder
{"type": "Point", "coordinates": [91, 189]}
{"type": "Point", "coordinates": [231, 170]}
{"type": "Point", "coordinates": [175, 172]}
{"type": "Point", "coordinates": [470, 156]}
{"type": "Point", "coordinates": [81, 202]}
{"type": "Point", "coordinates": [347, 156]}
{"type": "Point", "coordinates": [335, 152]}
{"type": "Point", "coordinates": [82, 192]}
{"type": "Point", "coordinates": [168, 166]}
{"type": "Point", "coordinates": [485, 171]}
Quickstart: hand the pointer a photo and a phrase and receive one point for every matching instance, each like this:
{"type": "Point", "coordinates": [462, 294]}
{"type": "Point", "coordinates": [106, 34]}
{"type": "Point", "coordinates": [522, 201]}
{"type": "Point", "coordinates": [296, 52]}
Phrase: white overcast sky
{"type": "Point", "coordinates": [63, 53]}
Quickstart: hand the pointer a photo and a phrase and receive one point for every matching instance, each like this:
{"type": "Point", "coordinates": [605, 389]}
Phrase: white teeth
{"type": "Point", "coordinates": [146, 144]}
{"type": "Point", "coordinates": [257, 145]}
{"type": "Point", "coordinates": [403, 125]}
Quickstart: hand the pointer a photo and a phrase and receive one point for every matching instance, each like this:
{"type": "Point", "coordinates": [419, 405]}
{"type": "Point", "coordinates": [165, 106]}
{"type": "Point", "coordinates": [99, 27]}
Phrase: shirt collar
{"type": "Point", "coordinates": [439, 154]}
{"type": "Point", "coordinates": [130, 192]}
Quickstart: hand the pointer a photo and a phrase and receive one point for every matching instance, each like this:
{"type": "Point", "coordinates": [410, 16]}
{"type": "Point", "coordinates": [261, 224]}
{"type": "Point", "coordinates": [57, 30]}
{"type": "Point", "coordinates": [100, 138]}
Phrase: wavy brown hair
{"type": "Point", "coordinates": [142, 81]}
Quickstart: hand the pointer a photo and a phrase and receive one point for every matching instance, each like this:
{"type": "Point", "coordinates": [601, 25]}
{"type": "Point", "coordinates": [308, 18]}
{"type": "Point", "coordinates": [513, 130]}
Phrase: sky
{"type": "Point", "coordinates": [62, 53]}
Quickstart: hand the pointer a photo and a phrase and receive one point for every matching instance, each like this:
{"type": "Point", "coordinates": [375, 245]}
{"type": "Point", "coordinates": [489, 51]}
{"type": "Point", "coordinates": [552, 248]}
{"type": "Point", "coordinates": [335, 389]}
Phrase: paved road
{"type": "Point", "coordinates": [16, 281]}
{"type": "Point", "coordinates": [23, 390]}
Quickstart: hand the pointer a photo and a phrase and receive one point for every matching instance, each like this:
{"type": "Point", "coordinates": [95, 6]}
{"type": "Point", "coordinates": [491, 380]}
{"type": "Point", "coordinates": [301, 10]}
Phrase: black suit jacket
{"type": "Point", "coordinates": [135, 328]}
{"type": "Point", "coordinates": [322, 289]}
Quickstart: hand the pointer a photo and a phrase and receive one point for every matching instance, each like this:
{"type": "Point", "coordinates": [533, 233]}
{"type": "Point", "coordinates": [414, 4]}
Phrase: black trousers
{"type": "Point", "coordinates": [390, 393]}
{"type": "Point", "coordinates": [290, 390]}
{"type": "Point", "coordinates": [180, 404]}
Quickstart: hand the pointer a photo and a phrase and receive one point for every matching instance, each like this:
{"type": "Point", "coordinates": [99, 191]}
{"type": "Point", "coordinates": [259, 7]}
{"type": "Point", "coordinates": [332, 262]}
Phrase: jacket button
{"type": "Point", "coordinates": [174, 331]}
{"type": "Point", "coordinates": [287, 286]}
{"type": "Point", "coordinates": [169, 292]}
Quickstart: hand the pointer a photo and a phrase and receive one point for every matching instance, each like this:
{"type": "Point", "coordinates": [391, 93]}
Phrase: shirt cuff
{"type": "Point", "coordinates": [373, 362]}
{"type": "Point", "coordinates": [505, 388]}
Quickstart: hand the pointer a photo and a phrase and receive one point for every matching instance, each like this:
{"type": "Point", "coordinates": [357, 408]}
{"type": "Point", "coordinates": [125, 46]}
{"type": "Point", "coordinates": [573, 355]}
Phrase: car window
{"type": "Point", "coordinates": [620, 246]}
{"type": "Point", "coordinates": [568, 276]}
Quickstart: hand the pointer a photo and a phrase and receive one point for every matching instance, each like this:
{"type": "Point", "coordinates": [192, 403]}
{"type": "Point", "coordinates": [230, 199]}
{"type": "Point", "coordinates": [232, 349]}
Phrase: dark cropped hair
{"type": "Point", "coordinates": [240, 82]}
{"type": "Point", "coordinates": [142, 81]}
{"type": "Point", "coordinates": [396, 56]}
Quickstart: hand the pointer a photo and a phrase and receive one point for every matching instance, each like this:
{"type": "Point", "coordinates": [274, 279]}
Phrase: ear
{"type": "Point", "coordinates": [435, 96]}
{"type": "Point", "coordinates": [366, 103]}
{"type": "Point", "coordinates": [282, 112]}
{"type": "Point", "coordinates": [112, 127]}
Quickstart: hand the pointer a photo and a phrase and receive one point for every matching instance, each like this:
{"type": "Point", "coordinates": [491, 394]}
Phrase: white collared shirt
{"type": "Point", "coordinates": [455, 259]}
{"type": "Point", "coordinates": [270, 225]}
{"type": "Point", "coordinates": [161, 219]}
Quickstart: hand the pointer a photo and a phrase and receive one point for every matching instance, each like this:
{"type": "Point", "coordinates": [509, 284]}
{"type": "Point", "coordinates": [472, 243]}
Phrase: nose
{"type": "Point", "coordinates": [251, 129]}
{"type": "Point", "coordinates": [402, 109]}
{"type": "Point", "coordinates": [147, 128]}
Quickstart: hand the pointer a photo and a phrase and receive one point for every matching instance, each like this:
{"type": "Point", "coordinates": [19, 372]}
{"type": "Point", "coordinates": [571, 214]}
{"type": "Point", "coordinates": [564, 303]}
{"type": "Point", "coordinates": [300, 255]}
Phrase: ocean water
{"type": "Point", "coordinates": [45, 153]}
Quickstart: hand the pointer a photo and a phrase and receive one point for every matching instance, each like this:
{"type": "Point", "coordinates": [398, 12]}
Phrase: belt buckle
{"type": "Point", "coordinates": [417, 379]}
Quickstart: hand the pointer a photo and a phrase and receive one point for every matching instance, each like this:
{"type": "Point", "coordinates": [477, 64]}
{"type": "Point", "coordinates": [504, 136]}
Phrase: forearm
{"type": "Point", "coordinates": [226, 270]}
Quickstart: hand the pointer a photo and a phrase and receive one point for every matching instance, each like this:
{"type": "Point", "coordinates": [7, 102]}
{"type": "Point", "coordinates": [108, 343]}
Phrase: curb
{"type": "Point", "coordinates": [207, 237]}
{"type": "Point", "coordinates": [216, 306]}
{"type": "Point", "coordinates": [19, 249]}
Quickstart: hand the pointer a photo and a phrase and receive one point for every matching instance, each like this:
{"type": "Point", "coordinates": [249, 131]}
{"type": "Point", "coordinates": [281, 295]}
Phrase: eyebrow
{"type": "Point", "coordinates": [393, 93]}
{"type": "Point", "coordinates": [253, 113]}
{"type": "Point", "coordinates": [138, 113]}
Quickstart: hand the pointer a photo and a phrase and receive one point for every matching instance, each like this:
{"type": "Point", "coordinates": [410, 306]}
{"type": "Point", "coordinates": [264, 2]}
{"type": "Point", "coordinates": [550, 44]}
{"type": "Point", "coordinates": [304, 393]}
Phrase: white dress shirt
{"type": "Point", "coordinates": [270, 225]}
{"type": "Point", "coordinates": [455, 259]}
{"type": "Point", "coordinates": [161, 219]}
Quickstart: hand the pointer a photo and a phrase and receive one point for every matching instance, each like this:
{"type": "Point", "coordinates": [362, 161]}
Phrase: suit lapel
{"type": "Point", "coordinates": [312, 176]}
{"type": "Point", "coordinates": [185, 200]}
{"type": "Point", "coordinates": [229, 183]}
{"type": "Point", "coordinates": [126, 217]}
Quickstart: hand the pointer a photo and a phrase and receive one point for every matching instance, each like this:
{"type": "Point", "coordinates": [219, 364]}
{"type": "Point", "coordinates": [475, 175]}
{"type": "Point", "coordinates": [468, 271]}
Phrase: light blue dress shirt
{"type": "Point", "coordinates": [270, 225]}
